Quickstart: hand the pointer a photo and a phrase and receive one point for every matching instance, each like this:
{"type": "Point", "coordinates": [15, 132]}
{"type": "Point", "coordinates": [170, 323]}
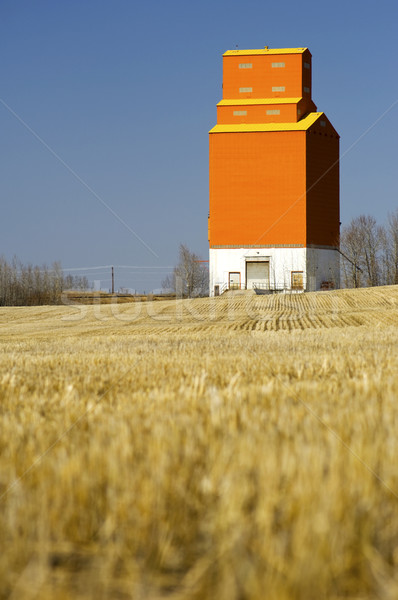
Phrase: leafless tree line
{"type": "Point", "coordinates": [370, 252]}
{"type": "Point", "coordinates": [28, 285]}
{"type": "Point", "coordinates": [76, 282]}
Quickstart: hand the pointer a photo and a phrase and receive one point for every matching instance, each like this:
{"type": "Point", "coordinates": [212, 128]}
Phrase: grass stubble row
{"type": "Point", "coordinates": [197, 452]}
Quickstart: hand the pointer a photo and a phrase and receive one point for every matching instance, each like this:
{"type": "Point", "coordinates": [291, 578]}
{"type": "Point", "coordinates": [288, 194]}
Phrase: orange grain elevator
{"type": "Point", "coordinates": [274, 178]}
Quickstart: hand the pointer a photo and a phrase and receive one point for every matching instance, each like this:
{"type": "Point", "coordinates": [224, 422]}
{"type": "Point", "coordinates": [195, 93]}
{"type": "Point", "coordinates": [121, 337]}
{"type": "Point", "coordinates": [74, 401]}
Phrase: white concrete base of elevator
{"type": "Point", "coordinates": [279, 269]}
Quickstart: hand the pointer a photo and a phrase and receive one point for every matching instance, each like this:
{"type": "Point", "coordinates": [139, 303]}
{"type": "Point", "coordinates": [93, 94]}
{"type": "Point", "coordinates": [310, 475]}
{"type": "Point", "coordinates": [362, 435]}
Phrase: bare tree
{"type": "Point", "coordinates": [351, 245]}
{"type": "Point", "coordinates": [363, 249]}
{"type": "Point", "coordinates": [391, 246]}
{"type": "Point", "coordinates": [372, 236]}
{"type": "Point", "coordinates": [76, 283]}
{"type": "Point", "coordinates": [189, 277]}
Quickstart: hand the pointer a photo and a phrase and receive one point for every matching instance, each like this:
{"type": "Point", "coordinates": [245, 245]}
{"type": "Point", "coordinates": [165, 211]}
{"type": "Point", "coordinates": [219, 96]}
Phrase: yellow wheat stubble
{"type": "Point", "coordinates": [229, 448]}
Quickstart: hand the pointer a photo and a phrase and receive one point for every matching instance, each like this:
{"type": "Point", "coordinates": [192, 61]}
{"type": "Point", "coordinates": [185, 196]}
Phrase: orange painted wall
{"type": "Point", "coordinates": [306, 73]}
{"type": "Point", "coordinates": [306, 105]}
{"type": "Point", "coordinates": [323, 214]}
{"type": "Point", "coordinates": [262, 76]}
{"type": "Point", "coordinates": [257, 188]}
{"type": "Point", "coordinates": [257, 114]}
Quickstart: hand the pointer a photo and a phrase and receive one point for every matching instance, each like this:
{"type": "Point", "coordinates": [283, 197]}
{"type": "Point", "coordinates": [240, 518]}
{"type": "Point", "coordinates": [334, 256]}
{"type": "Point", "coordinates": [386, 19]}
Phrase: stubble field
{"type": "Point", "coordinates": [236, 448]}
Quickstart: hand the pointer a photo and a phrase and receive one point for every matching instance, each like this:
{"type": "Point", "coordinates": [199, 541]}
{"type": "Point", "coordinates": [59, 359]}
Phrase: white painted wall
{"type": "Point", "coordinates": [318, 265]}
{"type": "Point", "coordinates": [322, 265]}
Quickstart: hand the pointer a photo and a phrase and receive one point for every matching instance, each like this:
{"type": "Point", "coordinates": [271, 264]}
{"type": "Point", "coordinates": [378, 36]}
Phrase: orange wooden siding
{"type": "Point", "coordinates": [262, 77]}
{"type": "Point", "coordinates": [305, 106]}
{"type": "Point", "coordinates": [263, 113]}
{"type": "Point", "coordinates": [306, 73]}
{"type": "Point", "coordinates": [323, 212]}
{"type": "Point", "coordinates": [257, 188]}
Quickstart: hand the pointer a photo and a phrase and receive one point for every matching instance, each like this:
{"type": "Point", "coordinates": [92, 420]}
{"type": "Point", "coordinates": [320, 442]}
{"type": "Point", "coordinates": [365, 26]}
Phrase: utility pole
{"type": "Point", "coordinates": [113, 280]}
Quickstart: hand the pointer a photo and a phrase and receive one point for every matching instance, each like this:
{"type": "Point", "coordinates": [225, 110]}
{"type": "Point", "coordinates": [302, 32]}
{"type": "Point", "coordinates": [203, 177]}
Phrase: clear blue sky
{"type": "Point", "coordinates": [125, 92]}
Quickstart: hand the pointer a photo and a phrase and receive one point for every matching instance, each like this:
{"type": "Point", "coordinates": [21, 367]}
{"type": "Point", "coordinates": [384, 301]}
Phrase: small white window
{"type": "Point", "coordinates": [278, 65]}
{"type": "Point", "coordinates": [275, 111]}
{"type": "Point", "coordinates": [307, 65]}
{"type": "Point", "coordinates": [307, 90]}
{"type": "Point", "coordinates": [280, 88]}
{"type": "Point", "coordinates": [245, 66]}
{"type": "Point", "coordinates": [240, 113]}
{"type": "Point", "coordinates": [323, 123]}
{"type": "Point", "coordinates": [245, 90]}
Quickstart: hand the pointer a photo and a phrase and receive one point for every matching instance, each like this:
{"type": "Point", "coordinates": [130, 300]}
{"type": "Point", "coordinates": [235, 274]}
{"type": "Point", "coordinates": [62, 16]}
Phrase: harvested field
{"type": "Point", "coordinates": [241, 447]}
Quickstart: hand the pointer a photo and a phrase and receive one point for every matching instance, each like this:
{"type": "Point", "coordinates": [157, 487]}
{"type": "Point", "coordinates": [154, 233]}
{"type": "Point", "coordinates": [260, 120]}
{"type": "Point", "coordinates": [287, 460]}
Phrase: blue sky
{"type": "Point", "coordinates": [125, 92]}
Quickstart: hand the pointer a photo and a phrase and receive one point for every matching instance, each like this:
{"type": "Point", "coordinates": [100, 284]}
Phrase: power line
{"type": "Point", "coordinates": [116, 267]}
